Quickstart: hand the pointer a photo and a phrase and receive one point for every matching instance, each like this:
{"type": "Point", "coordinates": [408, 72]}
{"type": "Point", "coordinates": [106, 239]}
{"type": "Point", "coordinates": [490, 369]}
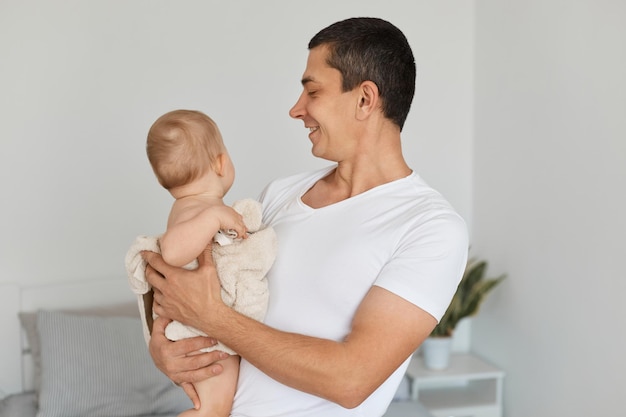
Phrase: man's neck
{"type": "Point", "coordinates": [355, 177]}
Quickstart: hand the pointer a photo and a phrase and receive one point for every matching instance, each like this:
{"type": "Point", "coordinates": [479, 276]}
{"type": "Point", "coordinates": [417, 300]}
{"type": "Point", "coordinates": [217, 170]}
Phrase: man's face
{"type": "Point", "coordinates": [326, 111]}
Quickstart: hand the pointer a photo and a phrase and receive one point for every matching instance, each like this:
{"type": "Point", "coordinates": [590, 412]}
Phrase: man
{"type": "Point", "coordinates": [369, 256]}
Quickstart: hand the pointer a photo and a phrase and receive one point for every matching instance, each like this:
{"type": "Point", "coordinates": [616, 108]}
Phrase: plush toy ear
{"type": "Point", "coordinates": [251, 210]}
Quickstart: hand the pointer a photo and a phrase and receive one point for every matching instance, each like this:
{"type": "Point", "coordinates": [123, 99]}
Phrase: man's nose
{"type": "Point", "coordinates": [297, 111]}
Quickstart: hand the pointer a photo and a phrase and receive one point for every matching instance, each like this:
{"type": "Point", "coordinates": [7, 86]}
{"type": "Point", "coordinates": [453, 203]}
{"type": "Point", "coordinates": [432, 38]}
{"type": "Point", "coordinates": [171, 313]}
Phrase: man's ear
{"type": "Point", "coordinates": [369, 99]}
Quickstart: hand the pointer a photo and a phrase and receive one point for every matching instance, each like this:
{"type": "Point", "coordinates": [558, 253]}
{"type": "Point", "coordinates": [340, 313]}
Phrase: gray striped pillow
{"type": "Point", "coordinates": [100, 367]}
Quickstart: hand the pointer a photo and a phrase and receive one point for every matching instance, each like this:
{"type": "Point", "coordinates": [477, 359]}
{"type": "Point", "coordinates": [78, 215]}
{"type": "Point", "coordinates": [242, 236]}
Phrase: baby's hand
{"type": "Point", "coordinates": [231, 221]}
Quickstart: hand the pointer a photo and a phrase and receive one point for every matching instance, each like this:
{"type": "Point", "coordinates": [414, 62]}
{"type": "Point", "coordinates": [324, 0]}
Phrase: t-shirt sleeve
{"type": "Point", "coordinates": [428, 263]}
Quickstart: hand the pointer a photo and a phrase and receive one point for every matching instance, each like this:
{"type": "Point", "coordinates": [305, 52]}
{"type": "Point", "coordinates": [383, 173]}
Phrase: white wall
{"type": "Point", "coordinates": [549, 202]}
{"type": "Point", "coordinates": [81, 82]}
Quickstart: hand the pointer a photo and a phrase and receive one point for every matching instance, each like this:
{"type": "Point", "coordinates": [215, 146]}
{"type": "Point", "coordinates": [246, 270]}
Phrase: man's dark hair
{"type": "Point", "coordinates": [372, 49]}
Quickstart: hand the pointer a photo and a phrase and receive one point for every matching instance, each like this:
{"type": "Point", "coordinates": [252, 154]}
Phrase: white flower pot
{"type": "Point", "coordinates": [436, 352]}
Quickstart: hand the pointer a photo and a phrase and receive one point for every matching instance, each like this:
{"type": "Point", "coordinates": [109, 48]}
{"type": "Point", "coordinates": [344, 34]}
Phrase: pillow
{"type": "Point", "coordinates": [29, 324]}
{"type": "Point", "coordinates": [99, 366]}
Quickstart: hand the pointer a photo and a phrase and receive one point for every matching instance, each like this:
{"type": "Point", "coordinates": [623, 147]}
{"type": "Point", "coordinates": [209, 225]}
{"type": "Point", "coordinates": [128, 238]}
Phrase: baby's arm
{"type": "Point", "coordinates": [187, 237]}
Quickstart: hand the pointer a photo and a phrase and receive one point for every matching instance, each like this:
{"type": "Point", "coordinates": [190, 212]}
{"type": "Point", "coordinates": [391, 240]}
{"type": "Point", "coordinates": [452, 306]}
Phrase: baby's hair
{"type": "Point", "coordinates": [183, 145]}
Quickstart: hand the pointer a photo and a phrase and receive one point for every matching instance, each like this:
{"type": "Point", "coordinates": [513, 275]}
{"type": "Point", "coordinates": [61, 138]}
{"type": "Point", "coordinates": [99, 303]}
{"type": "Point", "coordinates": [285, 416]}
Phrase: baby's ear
{"type": "Point", "coordinates": [220, 163]}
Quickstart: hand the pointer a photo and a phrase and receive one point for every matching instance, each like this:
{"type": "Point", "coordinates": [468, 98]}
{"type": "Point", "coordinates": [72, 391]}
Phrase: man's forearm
{"type": "Point", "coordinates": [317, 366]}
{"type": "Point", "coordinates": [344, 372]}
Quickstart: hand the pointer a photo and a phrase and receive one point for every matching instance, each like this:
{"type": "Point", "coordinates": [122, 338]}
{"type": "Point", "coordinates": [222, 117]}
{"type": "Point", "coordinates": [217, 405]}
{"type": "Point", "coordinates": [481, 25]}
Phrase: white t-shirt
{"type": "Point", "coordinates": [402, 236]}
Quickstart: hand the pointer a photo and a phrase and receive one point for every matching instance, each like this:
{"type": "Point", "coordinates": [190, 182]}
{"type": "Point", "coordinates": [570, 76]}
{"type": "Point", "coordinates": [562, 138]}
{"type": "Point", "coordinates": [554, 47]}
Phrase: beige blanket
{"type": "Point", "coordinates": [241, 266]}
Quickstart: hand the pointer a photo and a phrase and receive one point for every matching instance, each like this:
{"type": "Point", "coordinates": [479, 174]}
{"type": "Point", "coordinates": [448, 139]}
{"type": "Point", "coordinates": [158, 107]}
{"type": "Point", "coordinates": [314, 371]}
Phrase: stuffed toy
{"type": "Point", "coordinates": [241, 265]}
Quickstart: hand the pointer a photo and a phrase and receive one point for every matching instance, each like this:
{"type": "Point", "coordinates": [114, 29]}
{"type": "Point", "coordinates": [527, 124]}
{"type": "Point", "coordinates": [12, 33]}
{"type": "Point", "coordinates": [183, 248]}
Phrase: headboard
{"type": "Point", "coordinates": [16, 365]}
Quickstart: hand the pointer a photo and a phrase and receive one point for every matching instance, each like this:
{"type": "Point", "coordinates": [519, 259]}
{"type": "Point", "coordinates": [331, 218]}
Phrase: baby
{"type": "Point", "coordinates": [189, 159]}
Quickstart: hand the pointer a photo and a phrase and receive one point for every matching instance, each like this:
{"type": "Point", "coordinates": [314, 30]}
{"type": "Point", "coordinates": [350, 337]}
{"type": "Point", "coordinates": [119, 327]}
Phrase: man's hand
{"type": "Point", "coordinates": [182, 361]}
{"type": "Point", "coordinates": [188, 296]}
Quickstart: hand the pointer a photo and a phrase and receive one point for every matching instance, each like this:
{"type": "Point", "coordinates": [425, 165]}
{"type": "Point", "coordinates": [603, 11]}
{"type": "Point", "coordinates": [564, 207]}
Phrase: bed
{"type": "Point", "coordinates": [77, 349]}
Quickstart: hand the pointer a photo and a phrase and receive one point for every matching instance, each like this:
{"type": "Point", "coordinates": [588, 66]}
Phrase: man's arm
{"type": "Point", "coordinates": [386, 329]}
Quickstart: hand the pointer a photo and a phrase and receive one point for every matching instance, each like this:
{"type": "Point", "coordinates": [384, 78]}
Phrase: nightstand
{"type": "Point", "coordinates": [468, 387]}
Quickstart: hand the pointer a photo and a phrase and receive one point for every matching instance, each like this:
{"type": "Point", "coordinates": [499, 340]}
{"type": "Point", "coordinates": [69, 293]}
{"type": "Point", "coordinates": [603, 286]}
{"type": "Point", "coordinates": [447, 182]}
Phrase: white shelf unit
{"type": "Point", "coordinates": [407, 409]}
{"type": "Point", "coordinates": [469, 387]}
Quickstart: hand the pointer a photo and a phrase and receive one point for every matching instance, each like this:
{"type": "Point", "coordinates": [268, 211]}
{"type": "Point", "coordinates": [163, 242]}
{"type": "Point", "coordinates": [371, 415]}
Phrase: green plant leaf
{"type": "Point", "coordinates": [469, 295]}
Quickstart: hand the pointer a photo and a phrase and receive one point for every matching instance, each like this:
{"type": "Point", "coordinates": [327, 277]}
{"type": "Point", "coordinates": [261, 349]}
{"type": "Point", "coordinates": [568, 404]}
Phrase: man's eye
{"type": "Point", "coordinates": [311, 93]}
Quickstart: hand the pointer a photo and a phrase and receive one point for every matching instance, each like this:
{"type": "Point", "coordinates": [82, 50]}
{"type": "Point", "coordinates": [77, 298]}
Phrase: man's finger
{"type": "Point", "coordinates": [153, 277]}
{"type": "Point", "coordinates": [159, 325]}
{"type": "Point", "coordinates": [155, 260]}
{"type": "Point", "coordinates": [149, 256]}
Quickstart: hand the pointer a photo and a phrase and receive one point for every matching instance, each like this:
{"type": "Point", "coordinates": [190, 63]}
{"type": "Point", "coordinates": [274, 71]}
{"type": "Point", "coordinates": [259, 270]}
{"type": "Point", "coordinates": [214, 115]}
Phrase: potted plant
{"type": "Point", "coordinates": [471, 292]}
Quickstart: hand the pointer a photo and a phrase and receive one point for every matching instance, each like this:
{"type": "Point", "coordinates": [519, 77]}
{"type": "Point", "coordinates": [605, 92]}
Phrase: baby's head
{"type": "Point", "coordinates": [183, 145]}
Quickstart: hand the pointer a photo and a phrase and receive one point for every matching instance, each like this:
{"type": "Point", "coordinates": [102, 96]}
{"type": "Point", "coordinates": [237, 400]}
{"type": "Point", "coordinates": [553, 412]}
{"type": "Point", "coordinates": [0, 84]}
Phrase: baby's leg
{"type": "Point", "coordinates": [217, 393]}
